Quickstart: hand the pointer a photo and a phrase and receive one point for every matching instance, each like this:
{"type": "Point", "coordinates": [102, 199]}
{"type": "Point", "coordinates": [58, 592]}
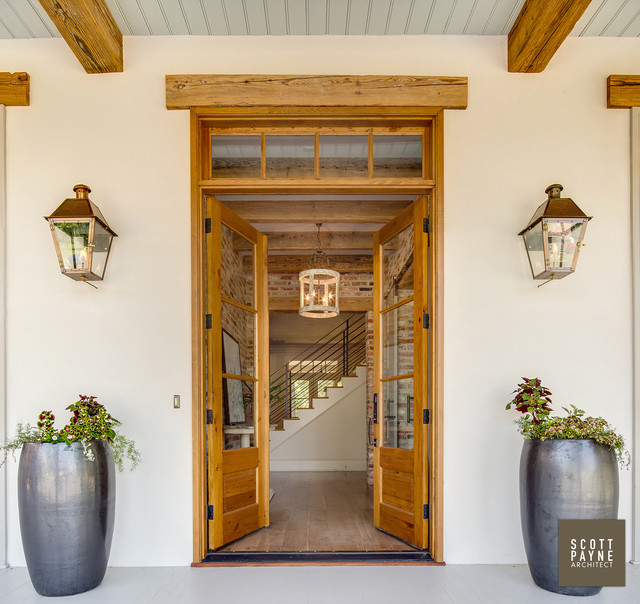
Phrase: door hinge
{"type": "Point", "coordinates": [207, 225]}
{"type": "Point", "coordinates": [425, 321]}
{"type": "Point", "coordinates": [425, 416]}
{"type": "Point", "coordinates": [425, 511]}
{"type": "Point", "coordinates": [425, 225]}
{"type": "Point", "coordinates": [208, 321]}
{"type": "Point", "coordinates": [375, 408]}
{"type": "Point", "coordinates": [209, 416]}
{"type": "Point", "coordinates": [209, 512]}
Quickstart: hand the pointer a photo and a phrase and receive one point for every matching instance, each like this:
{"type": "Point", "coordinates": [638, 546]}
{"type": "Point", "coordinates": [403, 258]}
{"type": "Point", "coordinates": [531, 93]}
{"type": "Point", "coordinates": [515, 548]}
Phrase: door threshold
{"type": "Point", "coordinates": [317, 558]}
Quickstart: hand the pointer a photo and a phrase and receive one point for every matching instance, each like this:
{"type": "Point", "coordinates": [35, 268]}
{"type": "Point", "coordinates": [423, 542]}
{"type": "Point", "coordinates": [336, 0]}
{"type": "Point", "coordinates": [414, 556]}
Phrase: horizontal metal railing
{"type": "Point", "coordinates": [321, 365]}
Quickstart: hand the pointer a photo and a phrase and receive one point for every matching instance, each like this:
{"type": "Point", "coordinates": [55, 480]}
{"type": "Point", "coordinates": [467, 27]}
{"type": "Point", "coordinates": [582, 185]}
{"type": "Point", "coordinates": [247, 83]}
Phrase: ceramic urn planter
{"type": "Point", "coordinates": [563, 479]}
{"type": "Point", "coordinates": [67, 505]}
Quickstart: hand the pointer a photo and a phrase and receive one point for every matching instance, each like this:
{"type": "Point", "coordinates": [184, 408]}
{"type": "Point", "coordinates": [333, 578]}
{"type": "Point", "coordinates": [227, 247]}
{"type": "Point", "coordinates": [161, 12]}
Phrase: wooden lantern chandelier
{"type": "Point", "coordinates": [319, 286]}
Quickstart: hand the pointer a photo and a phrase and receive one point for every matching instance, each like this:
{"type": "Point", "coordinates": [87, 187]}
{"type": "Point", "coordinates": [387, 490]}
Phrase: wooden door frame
{"type": "Point", "coordinates": [197, 116]}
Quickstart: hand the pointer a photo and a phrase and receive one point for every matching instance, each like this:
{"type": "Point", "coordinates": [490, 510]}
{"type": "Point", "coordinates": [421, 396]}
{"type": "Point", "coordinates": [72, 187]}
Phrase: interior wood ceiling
{"type": "Point", "coordinates": [27, 18]}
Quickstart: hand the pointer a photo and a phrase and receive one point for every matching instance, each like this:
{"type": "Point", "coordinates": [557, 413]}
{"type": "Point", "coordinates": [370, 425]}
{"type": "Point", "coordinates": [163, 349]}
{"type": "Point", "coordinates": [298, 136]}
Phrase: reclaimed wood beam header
{"type": "Point", "coordinates": [14, 89]}
{"type": "Point", "coordinates": [187, 91]}
{"type": "Point", "coordinates": [89, 29]}
{"type": "Point", "coordinates": [308, 240]}
{"type": "Point", "coordinates": [306, 210]}
{"type": "Point", "coordinates": [292, 303]}
{"type": "Point", "coordinates": [343, 263]}
{"type": "Point", "coordinates": [623, 91]}
{"type": "Point", "coordinates": [538, 32]}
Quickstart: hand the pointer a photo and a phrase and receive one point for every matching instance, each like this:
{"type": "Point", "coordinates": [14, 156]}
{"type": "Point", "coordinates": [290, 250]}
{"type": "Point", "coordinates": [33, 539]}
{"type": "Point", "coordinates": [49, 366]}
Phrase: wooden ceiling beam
{"type": "Point", "coordinates": [14, 89]}
{"type": "Point", "coordinates": [292, 303]}
{"type": "Point", "coordinates": [216, 90]}
{"type": "Point", "coordinates": [356, 263]}
{"type": "Point", "coordinates": [623, 91]}
{"type": "Point", "coordinates": [538, 32]}
{"type": "Point", "coordinates": [308, 240]}
{"type": "Point", "coordinates": [318, 210]}
{"type": "Point", "coordinates": [89, 29]}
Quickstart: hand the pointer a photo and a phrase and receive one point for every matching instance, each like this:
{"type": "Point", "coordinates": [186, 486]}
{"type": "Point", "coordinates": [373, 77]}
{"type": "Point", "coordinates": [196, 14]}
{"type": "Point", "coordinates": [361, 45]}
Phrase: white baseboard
{"type": "Point", "coordinates": [318, 465]}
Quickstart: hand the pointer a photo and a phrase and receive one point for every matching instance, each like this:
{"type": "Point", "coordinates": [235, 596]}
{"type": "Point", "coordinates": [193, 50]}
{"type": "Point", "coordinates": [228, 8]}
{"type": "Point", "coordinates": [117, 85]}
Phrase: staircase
{"type": "Point", "coordinates": [328, 437]}
{"type": "Point", "coordinates": [322, 366]}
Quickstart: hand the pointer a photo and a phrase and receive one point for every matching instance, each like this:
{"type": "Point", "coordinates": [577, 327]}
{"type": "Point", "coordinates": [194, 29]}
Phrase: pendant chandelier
{"type": "Point", "coordinates": [319, 287]}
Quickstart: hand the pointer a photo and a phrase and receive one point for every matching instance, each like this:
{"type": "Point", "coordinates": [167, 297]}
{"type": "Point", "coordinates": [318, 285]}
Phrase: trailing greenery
{"type": "Point", "coordinates": [534, 401]}
{"type": "Point", "coordinates": [89, 421]}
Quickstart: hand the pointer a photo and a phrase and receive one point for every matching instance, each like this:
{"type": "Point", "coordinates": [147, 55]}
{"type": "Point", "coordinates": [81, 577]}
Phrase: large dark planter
{"type": "Point", "coordinates": [67, 506]}
{"type": "Point", "coordinates": [563, 479]}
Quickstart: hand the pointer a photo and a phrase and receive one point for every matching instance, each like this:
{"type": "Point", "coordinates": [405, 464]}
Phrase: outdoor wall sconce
{"type": "Point", "coordinates": [319, 287]}
{"type": "Point", "coordinates": [554, 236]}
{"type": "Point", "coordinates": [81, 236]}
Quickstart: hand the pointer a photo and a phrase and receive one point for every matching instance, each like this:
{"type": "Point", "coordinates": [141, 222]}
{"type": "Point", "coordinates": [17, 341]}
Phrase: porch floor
{"type": "Point", "coordinates": [490, 584]}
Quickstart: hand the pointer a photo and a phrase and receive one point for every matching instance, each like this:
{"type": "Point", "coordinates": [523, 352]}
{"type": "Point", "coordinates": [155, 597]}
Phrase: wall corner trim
{"type": "Point", "coordinates": [3, 335]}
{"type": "Point", "coordinates": [635, 284]}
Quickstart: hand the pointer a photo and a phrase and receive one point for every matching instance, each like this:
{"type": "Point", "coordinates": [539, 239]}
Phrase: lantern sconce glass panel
{"type": "Point", "coordinates": [81, 236]}
{"type": "Point", "coordinates": [554, 235]}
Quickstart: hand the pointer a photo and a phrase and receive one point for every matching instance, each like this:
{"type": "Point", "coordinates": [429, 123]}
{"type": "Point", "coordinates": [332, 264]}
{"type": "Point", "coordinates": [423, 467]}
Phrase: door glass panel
{"type": "Point", "coordinates": [238, 340]}
{"type": "Point", "coordinates": [237, 268]}
{"type": "Point", "coordinates": [344, 156]}
{"type": "Point", "coordinates": [289, 156]}
{"type": "Point", "coordinates": [236, 156]}
{"type": "Point", "coordinates": [397, 156]}
{"type": "Point", "coordinates": [397, 341]}
{"type": "Point", "coordinates": [238, 322]}
{"type": "Point", "coordinates": [239, 414]}
{"type": "Point", "coordinates": [397, 267]}
{"type": "Point", "coordinates": [398, 414]}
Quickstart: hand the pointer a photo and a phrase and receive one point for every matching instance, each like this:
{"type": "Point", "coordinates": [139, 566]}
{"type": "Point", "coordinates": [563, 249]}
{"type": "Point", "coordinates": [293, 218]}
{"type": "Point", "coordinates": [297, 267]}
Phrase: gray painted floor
{"type": "Point", "coordinates": [495, 584]}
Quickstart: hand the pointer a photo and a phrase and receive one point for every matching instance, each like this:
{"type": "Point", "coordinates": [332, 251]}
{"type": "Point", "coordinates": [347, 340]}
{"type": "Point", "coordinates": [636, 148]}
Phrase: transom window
{"type": "Point", "coordinates": [367, 154]}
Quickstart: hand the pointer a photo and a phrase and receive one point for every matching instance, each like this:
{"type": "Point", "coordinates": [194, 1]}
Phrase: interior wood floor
{"type": "Point", "coordinates": [319, 512]}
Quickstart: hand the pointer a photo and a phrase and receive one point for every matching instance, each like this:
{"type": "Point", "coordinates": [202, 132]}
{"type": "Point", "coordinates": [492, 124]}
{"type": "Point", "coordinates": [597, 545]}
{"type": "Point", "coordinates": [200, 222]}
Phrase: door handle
{"type": "Point", "coordinates": [372, 441]}
{"type": "Point", "coordinates": [373, 420]}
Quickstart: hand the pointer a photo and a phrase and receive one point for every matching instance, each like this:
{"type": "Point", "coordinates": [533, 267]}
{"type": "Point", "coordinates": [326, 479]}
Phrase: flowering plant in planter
{"type": "Point", "coordinates": [89, 421]}
{"type": "Point", "coordinates": [534, 401]}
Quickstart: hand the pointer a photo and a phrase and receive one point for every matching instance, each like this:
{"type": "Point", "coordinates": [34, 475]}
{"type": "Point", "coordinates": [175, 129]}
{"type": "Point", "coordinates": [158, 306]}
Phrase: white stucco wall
{"type": "Point", "coordinates": [129, 342]}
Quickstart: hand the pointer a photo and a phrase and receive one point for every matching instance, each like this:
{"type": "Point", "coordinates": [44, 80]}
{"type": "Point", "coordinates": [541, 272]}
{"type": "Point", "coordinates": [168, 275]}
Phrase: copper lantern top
{"type": "Point", "coordinates": [555, 207]}
{"type": "Point", "coordinates": [80, 207]}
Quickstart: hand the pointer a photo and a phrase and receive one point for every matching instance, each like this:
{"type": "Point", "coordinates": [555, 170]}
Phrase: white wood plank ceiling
{"type": "Point", "coordinates": [27, 19]}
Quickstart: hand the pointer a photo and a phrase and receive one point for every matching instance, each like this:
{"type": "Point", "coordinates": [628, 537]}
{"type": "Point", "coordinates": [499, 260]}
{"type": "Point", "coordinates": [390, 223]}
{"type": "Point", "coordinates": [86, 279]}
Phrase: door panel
{"type": "Point", "coordinates": [400, 375]}
{"type": "Point", "coordinates": [237, 376]}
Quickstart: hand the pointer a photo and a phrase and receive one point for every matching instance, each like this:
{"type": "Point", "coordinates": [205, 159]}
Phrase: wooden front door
{"type": "Point", "coordinates": [401, 348]}
{"type": "Point", "coordinates": [237, 376]}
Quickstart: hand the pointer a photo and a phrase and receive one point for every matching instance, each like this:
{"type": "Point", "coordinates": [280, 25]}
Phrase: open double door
{"type": "Point", "coordinates": [237, 376]}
